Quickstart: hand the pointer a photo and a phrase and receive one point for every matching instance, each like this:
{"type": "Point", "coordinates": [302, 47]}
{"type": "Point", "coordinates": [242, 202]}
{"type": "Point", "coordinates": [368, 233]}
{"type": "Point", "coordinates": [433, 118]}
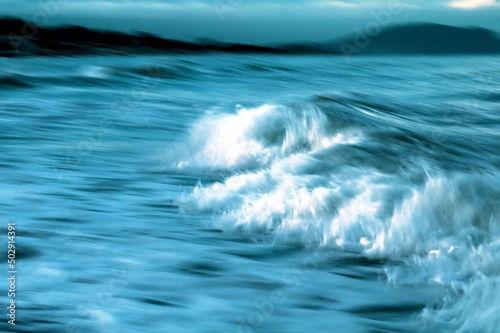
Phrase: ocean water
{"type": "Point", "coordinates": [252, 193]}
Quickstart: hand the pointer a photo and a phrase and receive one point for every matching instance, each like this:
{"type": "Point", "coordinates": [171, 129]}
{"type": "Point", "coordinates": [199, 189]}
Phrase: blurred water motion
{"type": "Point", "coordinates": [258, 193]}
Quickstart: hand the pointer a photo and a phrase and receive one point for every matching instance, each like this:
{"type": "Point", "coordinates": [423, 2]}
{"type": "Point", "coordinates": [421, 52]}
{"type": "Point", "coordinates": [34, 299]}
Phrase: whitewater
{"type": "Point", "coordinates": [254, 193]}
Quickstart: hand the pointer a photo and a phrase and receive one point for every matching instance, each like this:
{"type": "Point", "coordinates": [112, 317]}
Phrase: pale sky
{"type": "Point", "coordinates": [246, 21]}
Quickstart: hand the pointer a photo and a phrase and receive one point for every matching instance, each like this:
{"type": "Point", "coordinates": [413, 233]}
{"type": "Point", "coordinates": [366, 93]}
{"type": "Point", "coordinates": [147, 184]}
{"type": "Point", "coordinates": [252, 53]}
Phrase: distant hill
{"type": "Point", "coordinates": [428, 39]}
{"type": "Point", "coordinates": [18, 38]}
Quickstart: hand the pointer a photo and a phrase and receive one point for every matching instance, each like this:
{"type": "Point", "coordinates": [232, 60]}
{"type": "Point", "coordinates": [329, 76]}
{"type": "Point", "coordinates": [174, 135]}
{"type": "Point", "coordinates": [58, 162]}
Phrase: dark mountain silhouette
{"type": "Point", "coordinates": [18, 38]}
{"type": "Point", "coordinates": [424, 39]}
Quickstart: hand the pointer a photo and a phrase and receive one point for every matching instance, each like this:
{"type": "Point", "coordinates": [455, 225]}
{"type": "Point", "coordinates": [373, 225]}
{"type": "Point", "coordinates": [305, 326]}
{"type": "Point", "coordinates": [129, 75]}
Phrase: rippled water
{"type": "Point", "coordinates": [255, 193]}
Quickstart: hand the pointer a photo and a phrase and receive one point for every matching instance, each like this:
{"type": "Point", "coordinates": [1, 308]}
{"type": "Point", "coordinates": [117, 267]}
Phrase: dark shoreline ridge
{"type": "Point", "coordinates": [20, 38]}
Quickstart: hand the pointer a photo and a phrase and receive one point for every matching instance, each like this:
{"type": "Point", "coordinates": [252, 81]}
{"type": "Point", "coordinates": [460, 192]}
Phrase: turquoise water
{"type": "Point", "coordinates": [225, 193]}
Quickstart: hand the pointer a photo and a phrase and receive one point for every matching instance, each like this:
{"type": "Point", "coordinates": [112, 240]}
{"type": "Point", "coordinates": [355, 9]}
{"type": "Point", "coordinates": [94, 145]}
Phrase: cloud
{"type": "Point", "coordinates": [363, 5]}
{"type": "Point", "coordinates": [343, 4]}
{"type": "Point", "coordinates": [472, 4]}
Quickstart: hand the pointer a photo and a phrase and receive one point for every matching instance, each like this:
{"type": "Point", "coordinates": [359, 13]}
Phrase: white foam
{"type": "Point", "coordinates": [445, 228]}
{"type": "Point", "coordinates": [254, 138]}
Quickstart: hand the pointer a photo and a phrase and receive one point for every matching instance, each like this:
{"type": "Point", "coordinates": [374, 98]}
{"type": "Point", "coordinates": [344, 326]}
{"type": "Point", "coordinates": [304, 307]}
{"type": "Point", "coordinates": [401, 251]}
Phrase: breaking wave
{"type": "Point", "coordinates": [347, 177]}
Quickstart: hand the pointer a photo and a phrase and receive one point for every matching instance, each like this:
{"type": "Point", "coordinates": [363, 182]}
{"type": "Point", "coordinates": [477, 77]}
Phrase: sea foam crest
{"type": "Point", "coordinates": [443, 226]}
{"type": "Point", "coordinates": [254, 138]}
